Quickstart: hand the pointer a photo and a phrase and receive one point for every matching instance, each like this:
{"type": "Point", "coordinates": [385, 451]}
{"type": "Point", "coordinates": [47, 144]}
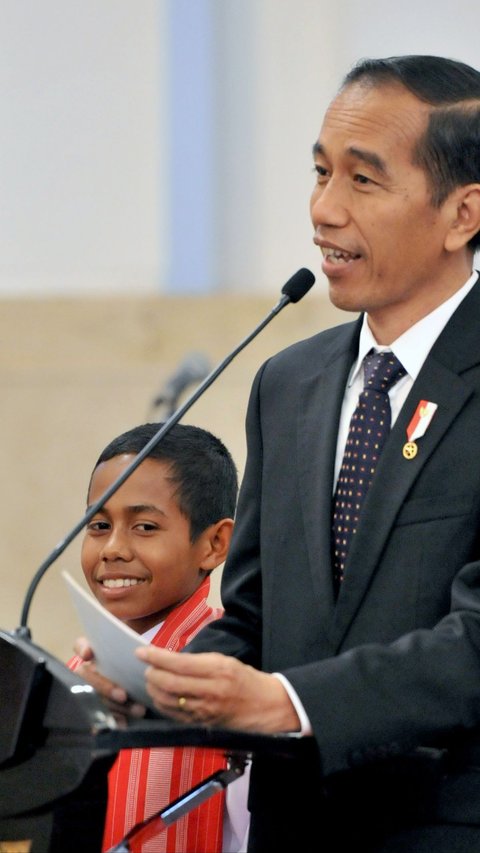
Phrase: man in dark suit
{"type": "Point", "coordinates": [374, 645]}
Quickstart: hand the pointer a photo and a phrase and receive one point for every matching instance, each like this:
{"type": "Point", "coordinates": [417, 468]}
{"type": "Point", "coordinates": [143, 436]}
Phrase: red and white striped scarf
{"type": "Point", "coordinates": [143, 781]}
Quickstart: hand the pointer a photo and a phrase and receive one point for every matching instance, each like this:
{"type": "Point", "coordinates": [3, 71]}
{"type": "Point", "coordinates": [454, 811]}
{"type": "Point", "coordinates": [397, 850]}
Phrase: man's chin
{"type": "Point", "coordinates": [344, 301]}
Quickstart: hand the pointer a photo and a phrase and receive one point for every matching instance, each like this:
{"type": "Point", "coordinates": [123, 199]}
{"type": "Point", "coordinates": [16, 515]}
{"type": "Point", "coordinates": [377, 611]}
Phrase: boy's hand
{"type": "Point", "coordinates": [117, 698]}
{"type": "Point", "coordinates": [217, 690]}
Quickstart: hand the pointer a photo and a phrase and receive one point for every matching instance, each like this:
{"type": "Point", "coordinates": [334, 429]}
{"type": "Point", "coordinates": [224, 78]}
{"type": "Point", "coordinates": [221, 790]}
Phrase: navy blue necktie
{"type": "Point", "coordinates": [369, 429]}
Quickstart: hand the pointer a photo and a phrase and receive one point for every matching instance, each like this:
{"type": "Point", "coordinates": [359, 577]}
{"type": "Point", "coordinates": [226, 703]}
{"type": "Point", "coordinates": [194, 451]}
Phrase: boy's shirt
{"type": "Point", "coordinates": [143, 781]}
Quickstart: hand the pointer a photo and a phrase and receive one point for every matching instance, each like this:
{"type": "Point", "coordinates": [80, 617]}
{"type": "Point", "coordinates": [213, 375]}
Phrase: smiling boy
{"type": "Point", "coordinates": [147, 556]}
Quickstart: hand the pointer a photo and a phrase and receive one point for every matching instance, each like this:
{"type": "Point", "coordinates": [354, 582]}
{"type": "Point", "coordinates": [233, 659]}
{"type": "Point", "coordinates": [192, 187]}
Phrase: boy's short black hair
{"type": "Point", "coordinates": [449, 150]}
{"type": "Point", "coordinates": [200, 466]}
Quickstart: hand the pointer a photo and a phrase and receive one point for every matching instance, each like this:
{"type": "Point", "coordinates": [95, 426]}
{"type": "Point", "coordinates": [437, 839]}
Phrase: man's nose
{"type": "Point", "coordinates": [329, 205]}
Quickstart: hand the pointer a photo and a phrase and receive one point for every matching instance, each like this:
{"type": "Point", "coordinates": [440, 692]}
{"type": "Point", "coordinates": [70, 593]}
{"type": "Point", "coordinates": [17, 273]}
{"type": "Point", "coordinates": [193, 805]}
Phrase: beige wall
{"type": "Point", "coordinates": [74, 373]}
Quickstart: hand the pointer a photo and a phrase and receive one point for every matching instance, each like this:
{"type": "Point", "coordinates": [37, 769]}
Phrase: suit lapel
{"type": "Point", "coordinates": [320, 399]}
{"type": "Point", "coordinates": [456, 350]}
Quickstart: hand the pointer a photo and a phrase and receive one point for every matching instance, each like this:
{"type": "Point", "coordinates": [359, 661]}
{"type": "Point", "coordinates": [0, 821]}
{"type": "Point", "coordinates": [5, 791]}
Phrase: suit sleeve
{"type": "Point", "coordinates": [377, 701]}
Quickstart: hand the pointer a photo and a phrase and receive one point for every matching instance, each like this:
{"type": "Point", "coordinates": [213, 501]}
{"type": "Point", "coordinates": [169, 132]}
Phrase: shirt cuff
{"type": "Point", "coordinates": [305, 725]}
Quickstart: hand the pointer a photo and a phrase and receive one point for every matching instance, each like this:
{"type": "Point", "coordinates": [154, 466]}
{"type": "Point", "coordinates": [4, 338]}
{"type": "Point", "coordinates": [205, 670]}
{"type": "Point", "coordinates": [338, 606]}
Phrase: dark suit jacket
{"type": "Point", "coordinates": [394, 664]}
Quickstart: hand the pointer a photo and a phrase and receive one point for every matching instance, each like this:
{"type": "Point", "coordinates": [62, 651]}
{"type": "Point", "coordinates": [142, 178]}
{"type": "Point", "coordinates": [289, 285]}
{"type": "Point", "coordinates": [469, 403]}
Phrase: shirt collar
{"type": "Point", "coordinates": [413, 346]}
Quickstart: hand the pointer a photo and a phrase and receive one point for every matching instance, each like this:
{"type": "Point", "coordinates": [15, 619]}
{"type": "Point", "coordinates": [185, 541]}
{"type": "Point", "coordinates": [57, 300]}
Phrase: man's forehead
{"type": "Point", "coordinates": [384, 114]}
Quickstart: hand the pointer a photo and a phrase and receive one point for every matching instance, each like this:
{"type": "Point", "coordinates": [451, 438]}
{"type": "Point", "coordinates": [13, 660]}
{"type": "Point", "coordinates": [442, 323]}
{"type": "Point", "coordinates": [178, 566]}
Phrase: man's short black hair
{"type": "Point", "coordinates": [201, 468]}
{"type": "Point", "coordinates": [449, 150]}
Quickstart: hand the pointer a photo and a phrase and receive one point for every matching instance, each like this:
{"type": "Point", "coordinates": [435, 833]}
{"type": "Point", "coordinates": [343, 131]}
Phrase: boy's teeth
{"type": "Point", "coordinates": [113, 583]}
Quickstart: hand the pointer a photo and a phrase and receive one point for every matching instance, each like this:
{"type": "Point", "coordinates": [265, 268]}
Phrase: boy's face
{"type": "Point", "coordinates": [137, 555]}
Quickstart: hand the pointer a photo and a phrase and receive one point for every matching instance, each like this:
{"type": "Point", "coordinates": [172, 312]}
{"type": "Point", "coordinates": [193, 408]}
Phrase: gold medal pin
{"type": "Point", "coordinates": [410, 449]}
{"type": "Point", "coordinates": [418, 427]}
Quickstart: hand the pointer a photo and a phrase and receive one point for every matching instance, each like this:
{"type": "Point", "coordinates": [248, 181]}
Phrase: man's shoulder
{"type": "Point", "coordinates": [322, 345]}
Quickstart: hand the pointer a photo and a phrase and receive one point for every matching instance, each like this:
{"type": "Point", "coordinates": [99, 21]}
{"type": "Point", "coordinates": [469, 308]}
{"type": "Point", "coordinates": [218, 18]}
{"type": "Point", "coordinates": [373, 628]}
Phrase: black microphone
{"type": "Point", "coordinates": [194, 367]}
{"type": "Point", "coordinates": [298, 285]}
{"type": "Point", "coordinates": [295, 288]}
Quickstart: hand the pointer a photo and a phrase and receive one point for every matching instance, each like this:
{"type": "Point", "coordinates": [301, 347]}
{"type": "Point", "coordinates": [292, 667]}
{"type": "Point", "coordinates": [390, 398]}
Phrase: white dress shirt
{"type": "Point", "coordinates": [411, 349]}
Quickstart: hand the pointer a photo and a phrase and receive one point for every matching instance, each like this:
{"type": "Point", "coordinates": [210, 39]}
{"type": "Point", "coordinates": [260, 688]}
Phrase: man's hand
{"type": "Point", "coordinates": [216, 690]}
{"type": "Point", "coordinates": [117, 698]}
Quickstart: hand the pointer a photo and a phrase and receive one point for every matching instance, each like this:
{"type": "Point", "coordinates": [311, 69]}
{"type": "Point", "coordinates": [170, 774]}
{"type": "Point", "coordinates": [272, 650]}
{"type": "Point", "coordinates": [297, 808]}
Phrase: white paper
{"type": "Point", "coordinates": [112, 641]}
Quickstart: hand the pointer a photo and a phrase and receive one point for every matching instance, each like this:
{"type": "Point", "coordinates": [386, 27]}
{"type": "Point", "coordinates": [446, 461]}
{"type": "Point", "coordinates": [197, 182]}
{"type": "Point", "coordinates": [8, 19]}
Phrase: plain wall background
{"type": "Point", "coordinates": [164, 145]}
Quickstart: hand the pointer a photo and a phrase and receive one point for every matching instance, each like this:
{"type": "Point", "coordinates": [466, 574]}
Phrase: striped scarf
{"type": "Point", "coordinates": [143, 781]}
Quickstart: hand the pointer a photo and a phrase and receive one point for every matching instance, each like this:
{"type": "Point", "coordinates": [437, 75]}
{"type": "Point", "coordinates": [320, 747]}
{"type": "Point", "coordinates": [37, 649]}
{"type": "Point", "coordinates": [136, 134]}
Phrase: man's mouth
{"type": "Point", "coordinates": [118, 583]}
{"type": "Point", "coordinates": [338, 256]}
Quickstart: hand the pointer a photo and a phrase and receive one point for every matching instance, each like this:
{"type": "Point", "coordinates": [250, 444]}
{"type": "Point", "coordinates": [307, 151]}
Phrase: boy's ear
{"type": "Point", "coordinates": [217, 543]}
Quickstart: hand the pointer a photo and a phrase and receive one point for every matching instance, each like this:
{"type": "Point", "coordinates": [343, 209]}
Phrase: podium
{"type": "Point", "coordinates": [58, 741]}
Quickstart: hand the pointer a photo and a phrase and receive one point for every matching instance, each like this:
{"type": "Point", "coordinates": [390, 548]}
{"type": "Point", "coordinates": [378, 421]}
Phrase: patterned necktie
{"type": "Point", "coordinates": [369, 428]}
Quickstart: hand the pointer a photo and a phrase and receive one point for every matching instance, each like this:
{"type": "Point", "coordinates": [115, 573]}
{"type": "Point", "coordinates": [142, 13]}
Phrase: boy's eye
{"type": "Point", "coordinates": [146, 526]}
{"type": "Point", "coordinates": [98, 525]}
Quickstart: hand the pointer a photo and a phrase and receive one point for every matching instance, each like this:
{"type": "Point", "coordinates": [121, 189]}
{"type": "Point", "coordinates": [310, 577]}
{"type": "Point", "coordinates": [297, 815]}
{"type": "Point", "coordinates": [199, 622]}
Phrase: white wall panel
{"type": "Point", "coordinates": [80, 150]}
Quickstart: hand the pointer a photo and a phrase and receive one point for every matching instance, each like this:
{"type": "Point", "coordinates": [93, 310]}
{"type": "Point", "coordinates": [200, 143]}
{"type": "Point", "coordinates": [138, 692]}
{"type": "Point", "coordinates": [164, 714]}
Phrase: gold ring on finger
{"type": "Point", "coordinates": [181, 702]}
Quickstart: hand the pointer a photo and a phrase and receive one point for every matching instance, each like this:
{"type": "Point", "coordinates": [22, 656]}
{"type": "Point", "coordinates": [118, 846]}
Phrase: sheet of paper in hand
{"type": "Point", "coordinates": [113, 642]}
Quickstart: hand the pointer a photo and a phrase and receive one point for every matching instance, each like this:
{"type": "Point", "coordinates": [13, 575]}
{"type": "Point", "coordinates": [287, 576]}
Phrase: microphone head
{"type": "Point", "coordinates": [194, 368]}
{"type": "Point", "coordinates": [298, 285]}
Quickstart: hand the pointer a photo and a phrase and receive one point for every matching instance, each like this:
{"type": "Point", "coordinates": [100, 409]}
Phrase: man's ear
{"type": "Point", "coordinates": [464, 206]}
{"type": "Point", "coordinates": [217, 543]}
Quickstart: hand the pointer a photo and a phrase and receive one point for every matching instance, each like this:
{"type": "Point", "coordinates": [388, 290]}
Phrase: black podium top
{"type": "Point", "coordinates": [54, 726]}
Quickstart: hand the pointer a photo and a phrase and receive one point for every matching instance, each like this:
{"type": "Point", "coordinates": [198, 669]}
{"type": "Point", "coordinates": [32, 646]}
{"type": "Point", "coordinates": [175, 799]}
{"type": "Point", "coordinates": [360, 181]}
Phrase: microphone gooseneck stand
{"type": "Point", "coordinates": [158, 822]}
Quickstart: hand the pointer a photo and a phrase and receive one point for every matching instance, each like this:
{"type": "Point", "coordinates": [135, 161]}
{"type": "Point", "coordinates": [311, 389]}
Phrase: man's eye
{"type": "Point", "coordinates": [362, 179]}
{"type": "Point", "coordinates": [146, 526]}
{"type": "Point", "coordinates": [321, 172]}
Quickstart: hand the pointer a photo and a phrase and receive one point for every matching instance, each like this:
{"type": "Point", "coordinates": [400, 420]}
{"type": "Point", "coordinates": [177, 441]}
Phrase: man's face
{"type": "Point", "coordinates": [383, 243]}
{"type": "Point", "coordinates": [137, 556]}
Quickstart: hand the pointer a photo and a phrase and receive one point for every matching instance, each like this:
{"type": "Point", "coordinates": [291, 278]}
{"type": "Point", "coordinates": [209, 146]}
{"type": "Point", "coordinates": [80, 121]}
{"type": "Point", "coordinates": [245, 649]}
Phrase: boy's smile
{"type": "Point", "coordinates": [137, 555]}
